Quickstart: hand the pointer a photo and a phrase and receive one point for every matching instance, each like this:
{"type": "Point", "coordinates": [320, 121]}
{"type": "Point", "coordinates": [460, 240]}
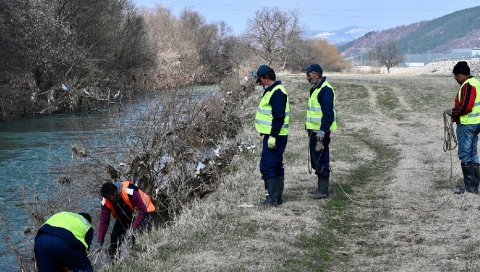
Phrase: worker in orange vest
{"type": "Point", "coordinates": [122, 200]}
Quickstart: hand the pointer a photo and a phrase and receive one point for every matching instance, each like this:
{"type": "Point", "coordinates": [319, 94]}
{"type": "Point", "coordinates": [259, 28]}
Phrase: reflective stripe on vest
{"type": "Point", "coordinates": [314, 110]}
{"type": "Point", "coordinates": [264, 117]}
{"type": "Point", "coordinates": [73, 222]}
{"type": "Point", "coordinates": [125, 196]}
{"type": "Point", "coordinates": [472, 117]}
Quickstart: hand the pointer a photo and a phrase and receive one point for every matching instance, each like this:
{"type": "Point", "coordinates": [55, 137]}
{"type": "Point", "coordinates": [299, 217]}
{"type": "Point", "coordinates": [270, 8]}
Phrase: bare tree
{"type": "Point", "coordinates": [273, 34]}
{"type": "Point", "coordinates": [386, 54]}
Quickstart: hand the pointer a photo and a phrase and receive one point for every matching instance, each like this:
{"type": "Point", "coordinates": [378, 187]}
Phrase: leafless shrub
{"type": "Point", "coordinates": [177, 148]}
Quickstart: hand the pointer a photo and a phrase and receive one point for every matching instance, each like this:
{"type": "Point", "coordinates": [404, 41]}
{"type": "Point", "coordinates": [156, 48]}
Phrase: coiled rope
{"type": "Point", "coordinates": [450, 142]}
{"type": "Point", "coordinates": [449, 139]}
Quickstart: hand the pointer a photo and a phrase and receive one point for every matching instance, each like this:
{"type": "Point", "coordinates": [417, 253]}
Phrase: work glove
{"type": "Point", "coordinates": [272, 142]}
{"type": "Point", "coordinates": [320, 135]}
{"type": "Point", "coordinates": [448, 111]}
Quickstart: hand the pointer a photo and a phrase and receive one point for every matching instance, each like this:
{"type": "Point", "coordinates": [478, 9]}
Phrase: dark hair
{"type": "Point", "coordinates": [86, 216]}
{"type": "Point", "coordinates": [108, 189]}
{"type": "Point", "coordinates": [461, 68]}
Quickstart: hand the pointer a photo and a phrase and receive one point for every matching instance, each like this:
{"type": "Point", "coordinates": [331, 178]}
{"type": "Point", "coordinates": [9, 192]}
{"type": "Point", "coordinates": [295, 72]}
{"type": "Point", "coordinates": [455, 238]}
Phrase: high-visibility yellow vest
{"type": "Point", "coordinates": [474, 116]}
{"type": "Point", "coordinates": [73, 222]}
{"type": "Point", "coordinates": [264, 117]}
{"type": "Point", "coordinates": [314, 110]}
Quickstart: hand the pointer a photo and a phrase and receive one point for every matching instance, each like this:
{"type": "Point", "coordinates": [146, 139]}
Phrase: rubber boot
{"type": "Point", "coordinates": [476, 168]}
{"type": "Point", "coordinates": [266, 187]}
{"type": "Point", "coordinates": [469, 179]}
{"type": "Point", "coordinates": [322, 188]}
{"type": "Point", "coordinates": [272, 187]}
{"type": "Point", "coordinates": [281, 185]}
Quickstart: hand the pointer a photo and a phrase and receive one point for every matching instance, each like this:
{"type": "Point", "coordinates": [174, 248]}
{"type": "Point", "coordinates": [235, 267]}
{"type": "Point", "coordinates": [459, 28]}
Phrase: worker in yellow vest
{"type": "Point", "coordinates": [271, 121]}
{"type": "Point", "coordinates": [62, 243]}
{"type": "Point", "coordinates": [466, 113]}
{"type": "Point", "coordinates": [320, 122]}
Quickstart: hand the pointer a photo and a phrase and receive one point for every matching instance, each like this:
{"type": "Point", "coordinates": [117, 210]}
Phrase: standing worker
{"type": "Point", "coordinates": [127, 203]}
{"type": "Point", "coordinates": [62, 243]}
{"type": "Point", "coordinates": [466, 113]}
{"type": "Point", "coordinates": [271, 121]}
{"type": "Point", "coordinates": [320, 122]}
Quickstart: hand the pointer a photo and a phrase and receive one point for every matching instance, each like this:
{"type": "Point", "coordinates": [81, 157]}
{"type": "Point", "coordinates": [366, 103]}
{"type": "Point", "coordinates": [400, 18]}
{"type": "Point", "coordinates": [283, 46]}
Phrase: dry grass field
{"type": "Point", "coordinates": [392, 206]}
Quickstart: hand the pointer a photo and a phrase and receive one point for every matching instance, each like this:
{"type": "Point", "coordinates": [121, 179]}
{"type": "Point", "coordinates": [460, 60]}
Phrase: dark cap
{"type": "Point", "coordinates": [263, 70]}
{"type": "Point", "coordinates": [86, 216]}
{"type": "Point", "coordinates": [314, 68]}
{"type": "Point", "coordinates": [461, 68]}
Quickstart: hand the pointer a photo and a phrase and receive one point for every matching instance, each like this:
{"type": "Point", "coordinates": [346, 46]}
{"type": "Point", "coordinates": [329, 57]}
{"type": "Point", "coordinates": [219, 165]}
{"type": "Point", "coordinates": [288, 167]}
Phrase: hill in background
{"type": "Point", "coordinates": [342, 36]}
{"type": "Point", "coordinates": [460, 29]}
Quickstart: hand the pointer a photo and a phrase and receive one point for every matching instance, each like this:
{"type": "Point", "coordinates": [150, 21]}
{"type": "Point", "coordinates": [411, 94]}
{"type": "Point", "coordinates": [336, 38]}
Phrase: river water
{"type": "Point", "coordinates": [32, 151]}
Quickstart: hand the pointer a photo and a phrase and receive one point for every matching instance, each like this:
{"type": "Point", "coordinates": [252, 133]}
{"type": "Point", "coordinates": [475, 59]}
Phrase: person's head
{"type": "Point", "coordinates": [109, 191]}
{"type": "Point", "coordinates": [86, 216]}
{"type": "Point", "coordinates": [461, 72]}
{"type": "Point", "coordinates": [265, 75]}
{"type": "Point", "coordinates": [314, 73]}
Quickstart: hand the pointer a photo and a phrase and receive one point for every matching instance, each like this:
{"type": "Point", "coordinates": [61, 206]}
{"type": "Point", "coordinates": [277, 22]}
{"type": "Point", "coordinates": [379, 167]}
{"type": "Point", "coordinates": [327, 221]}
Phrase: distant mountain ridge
{"type": "Point", "coordinates": [460, 29]}
{"type": "Point", "coordinates": [342, 36]}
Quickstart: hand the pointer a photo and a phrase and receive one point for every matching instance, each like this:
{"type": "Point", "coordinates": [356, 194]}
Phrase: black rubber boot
{"type": "Point", "coordinates": [469, 179]}
{"type": "Point", "coordinates": [281, 185]}
{"type": "Point", "coordinates": [266, 187]}
{"type": "Point", "coordinates": [322, 192]}
{"type": "Point", "coordinates": [271, 199]}
{"type": "Point", "coordinates": [476, 168]}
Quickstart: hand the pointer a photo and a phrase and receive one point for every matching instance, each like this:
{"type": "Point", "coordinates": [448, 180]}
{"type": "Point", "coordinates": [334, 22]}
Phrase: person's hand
{"type": "Point", "coordinates": [320, 135]}
{"type": "Point", "coordinates": [448, 111]}
{"type": "Point", "coordinates": [96, 247]}
{"type": "Point", "coordinates": [272, 142]}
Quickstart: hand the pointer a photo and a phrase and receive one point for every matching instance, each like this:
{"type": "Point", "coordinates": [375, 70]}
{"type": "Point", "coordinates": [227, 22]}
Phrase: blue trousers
{"type": "Point", "coordinates": [52, 253]}
{"type": "Point", "coordinates": [467, 136]}
{"type": "Point", "coordinates": [271, 163]}
{"type": "Point", "coordinates": [320, 161]}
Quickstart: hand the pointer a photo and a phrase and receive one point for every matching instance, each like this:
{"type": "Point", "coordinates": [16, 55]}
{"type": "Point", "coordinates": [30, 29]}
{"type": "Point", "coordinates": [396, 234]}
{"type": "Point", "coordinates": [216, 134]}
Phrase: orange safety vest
{"type": "Point", "coordinates": [126, 191]}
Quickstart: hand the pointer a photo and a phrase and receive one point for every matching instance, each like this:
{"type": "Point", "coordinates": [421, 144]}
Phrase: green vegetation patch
{"type": "Point", "coordinates": [352, 98]}
{"type": "Point", "coordinates": [386, 98]}
{"type": "Point", "coordinates": [338, 214]}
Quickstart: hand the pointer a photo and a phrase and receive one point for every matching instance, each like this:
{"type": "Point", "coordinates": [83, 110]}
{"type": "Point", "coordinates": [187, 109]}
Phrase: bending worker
{"type": "Point", "coordinates": [466, 113]}
{"type": "Point", "coordinates": [320, 122]}
{"type": "Point", "coordinates": [123, 200]}
{"type": "Point", "coordinates": [62, 243]}
{"type": "Point", "coordinates": [271, 122]}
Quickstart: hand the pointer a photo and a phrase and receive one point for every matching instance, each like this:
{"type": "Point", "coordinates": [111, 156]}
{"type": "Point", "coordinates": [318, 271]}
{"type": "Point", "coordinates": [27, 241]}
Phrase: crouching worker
{"type": "Point", "coordinates": [127, 204]}
{"type": "Point", "coordinates": [62, 243]}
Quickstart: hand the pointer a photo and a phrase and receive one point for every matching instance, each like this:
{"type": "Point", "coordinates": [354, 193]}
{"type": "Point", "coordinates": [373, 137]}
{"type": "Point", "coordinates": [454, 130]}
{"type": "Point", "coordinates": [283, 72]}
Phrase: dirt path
{"type": "Point", "coordinates": [418, 223]}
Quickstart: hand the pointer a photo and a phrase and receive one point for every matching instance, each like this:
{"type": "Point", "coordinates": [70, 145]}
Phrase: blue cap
{"type": "Point", "coordinates": [314, 68]}
{"type": "Point", "coordinates": [263, 70]}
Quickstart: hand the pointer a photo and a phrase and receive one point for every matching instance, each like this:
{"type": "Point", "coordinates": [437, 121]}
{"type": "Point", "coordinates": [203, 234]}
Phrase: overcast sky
{"type": "Point", "coordinates": [320, 14]}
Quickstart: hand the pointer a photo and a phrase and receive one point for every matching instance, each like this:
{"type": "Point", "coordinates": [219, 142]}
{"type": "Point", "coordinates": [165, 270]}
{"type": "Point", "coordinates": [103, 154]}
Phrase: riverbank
{"type": "Point", "coordinates": [395, 209]}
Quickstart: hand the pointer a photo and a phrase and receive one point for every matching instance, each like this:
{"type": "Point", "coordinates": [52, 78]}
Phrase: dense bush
{"type": "Point", "coordinates": [93, 48]}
